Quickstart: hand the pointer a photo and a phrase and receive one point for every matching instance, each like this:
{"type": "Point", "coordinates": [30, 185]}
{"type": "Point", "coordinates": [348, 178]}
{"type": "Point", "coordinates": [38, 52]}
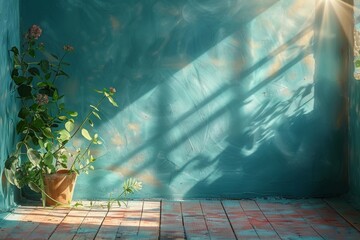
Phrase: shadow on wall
{"type": "Point", "coordinates": [219, 98]}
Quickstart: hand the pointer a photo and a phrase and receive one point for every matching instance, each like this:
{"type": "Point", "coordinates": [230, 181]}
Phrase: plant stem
{"type": "Point", "coordinates": [58, 67]}
{"type": "Point", "coordinates": [82, 155]}
{"type": "Point", "coordinates": [81, 125]}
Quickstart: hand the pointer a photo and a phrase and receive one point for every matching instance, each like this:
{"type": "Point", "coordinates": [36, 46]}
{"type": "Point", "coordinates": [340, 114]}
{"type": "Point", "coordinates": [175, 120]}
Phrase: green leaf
{"type": "Point", "coordinates": [34, 156]}
{"type": "Point", "coordinates": [96, 115]}
{"type": "Point", "coordinates": [14, 73]}
{"type": "Point", "coordinates": [48, 159]}
{"type": "Point", "coordinates": [48, 145]}
{"type": "Point", "coordinates": [38, 123]}
{"type": "Point", "coordinates": [15, 50]}
{"type": "Point", "coordinates": [69, 125]}
{"type": "Point", "coordinates": [47, 132]}
{"type": "Point", "coordinates": [24, 91]}
{"type": "Point", "coordinates": [91, 123]}
{"type": "Point", "coordinates": [33, 187]}
{"type": "Point", "coordinates": [41, 143]}
{"type": "Point", "coordinates": [62, 118]}
{"type": "Point", "coordinates": [48, 76]}
{"type": "Point", "coordinates": [112, 101]}
{"type": "Point", "coordinates": [64, 135]}
{"type": "Point", "coordinates": [9, 174]}
{"type": "Point", "coordinates": [55, 95]}
{"type": "Point", "coordinates": [34, 71]}
{"type": "Point", "coordinates": [44, 65]}
{"type": "Point", "coordinates": [10, 161]}
{"type": "Point", "coordinates": [23, 113]}
{"type": "Point", "coordinates": [31, 52]}
{"type": "Point", "coordinates": [20, 80]}
{"type": "Point", "coordinates": [20, 127]}
{"type": "Point", "coordinates": [357, 63]}
{"type": "Point", "coordinates": [73, 114]}
{"type": "Point", "coordinates": [95, 108]}
{"type": "Point", "coordinates": [54, 55]}
{"type": "Point", "coordinates": [62, 73]}
{"type": "Point", "coordinates": [86, 134]}
{"type": "Point", "coordinates": [132, 185]}
{"type": "Point", "coordinates": [78, 204]}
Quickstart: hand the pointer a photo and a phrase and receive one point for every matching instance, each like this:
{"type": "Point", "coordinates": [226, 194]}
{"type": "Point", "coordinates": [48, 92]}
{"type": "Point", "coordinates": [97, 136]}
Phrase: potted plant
{"type": "Point", "coordinates": [43, 159]}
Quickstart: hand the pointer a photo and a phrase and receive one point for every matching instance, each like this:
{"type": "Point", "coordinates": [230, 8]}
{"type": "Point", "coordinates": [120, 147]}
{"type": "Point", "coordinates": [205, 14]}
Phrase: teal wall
{"type": "Point", "coordinates": [9, 36]}
{"type": "Point", "coordinates": [228, 98]}
{"type": "Point", "coordinates": [354, 123]}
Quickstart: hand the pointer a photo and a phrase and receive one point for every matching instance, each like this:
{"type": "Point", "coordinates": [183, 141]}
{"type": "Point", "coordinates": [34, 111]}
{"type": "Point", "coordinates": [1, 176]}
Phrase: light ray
{"type": "Point", "coordinates": [344, 16]}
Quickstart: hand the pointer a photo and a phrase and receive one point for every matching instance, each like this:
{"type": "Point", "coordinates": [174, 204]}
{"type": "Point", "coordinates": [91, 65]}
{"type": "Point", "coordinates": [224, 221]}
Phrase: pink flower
{"type": "Point", "coordinates": [112, 90]}
{"type": "Point", "coordinates": [34, 32]}
{"type": "Point", "coordinates": [68, 48]}
{"type": "Point", "coordinates": [42, 99]}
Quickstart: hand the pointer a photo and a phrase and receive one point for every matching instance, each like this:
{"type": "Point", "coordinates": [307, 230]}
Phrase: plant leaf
{"type": "Point", "coordinates": [34, 156]}
{"type": "Point", "coordinates": [95, 108]}
{"type": "Point", "coordinates": [23, 113]}
{"type": "Point", "coordinates": [86, 134]}
{"type": "Point", "coordinates": [33, 187]}
{"type": "Point", "coordinates": [96, 115]}
{"type": "Point", "coordinates": [69, 125]}
{"type": "Point", "coordinates": [44, 65]}
{"type": "Point", "coordinates": [112, 101]}
{"type": "Point", "coordinates": [34, 71]}
{"type": "Point", "coordinates": [24, 90]}
{"type": "Point", "coordinates": [48, 160]}
{"type": "Point", "coordinates": [47, 132]}
{"type": "Point", "coordinates": [10, 161]}
{"type": "Point", "coordinates": [9, 176]}
{"type": "Point", "coordinates": [15, 50]}
{"type": "Point", "coordinates": [64, 135]}
{"type": "Point", "coordinates": [73, 114]}
{"type": "Point", "coordinates": [91, 122]}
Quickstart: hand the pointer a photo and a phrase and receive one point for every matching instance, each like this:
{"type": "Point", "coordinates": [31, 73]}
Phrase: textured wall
{"type": "Point", "coordinates": [9, 36]}
{"type": "Point", "coordinates": [228, 98]}
{"type": "Point", "coordinates": [354, 123]}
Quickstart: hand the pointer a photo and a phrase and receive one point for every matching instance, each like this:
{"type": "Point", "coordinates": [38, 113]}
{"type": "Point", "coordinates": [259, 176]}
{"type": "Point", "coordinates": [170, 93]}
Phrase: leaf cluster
{"type": "Point", "coordinates": [45, 126]}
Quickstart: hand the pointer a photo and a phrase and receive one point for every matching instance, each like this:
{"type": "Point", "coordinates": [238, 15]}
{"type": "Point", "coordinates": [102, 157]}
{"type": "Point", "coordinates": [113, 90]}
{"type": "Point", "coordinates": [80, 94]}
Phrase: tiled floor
{"type": "Point", "coordinates": [204, 219]}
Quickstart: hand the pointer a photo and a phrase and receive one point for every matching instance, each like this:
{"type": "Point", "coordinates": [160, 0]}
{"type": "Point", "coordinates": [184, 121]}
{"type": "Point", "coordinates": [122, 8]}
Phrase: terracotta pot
{"type": "Point", "coordinates": [59, 186]}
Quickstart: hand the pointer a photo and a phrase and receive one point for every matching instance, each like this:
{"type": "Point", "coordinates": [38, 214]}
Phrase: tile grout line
{"type": "Point", "coordinates": [141, 216]}
{"type": "Point", "coordinates": [159, 233]}
{"type": "Point", "coordinates": [34, 210]}
{"type": "Point", "coordinates": [47, 214]}
{"type": "Point", "coordinates": [307, 222]}
{"type": "Point", "coordinates": [232, 228]}
{"type": "Point", "coordinates": [60, 222]}
{"type": "Point", "coordinates": [97, 232]}
{"type": "Point", "coordinates": [206, 224]}
{"type": "Point", "coordinates": [182, 220]}
{"type": "Point", "coordinates": [81, 222]}
{"type": "Point", "coordinates": [341, 215]}
{"type": "Point", "coordinates": [267, 219]}
{"type": "Point", "coordinates": [247, 217]}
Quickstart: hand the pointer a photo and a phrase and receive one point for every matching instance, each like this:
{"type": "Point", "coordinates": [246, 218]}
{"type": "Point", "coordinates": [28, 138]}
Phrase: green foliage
{"type": "Point", "coordinates": [130, 186]}
{"type": "Point", "coordinates": [45, 126]}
